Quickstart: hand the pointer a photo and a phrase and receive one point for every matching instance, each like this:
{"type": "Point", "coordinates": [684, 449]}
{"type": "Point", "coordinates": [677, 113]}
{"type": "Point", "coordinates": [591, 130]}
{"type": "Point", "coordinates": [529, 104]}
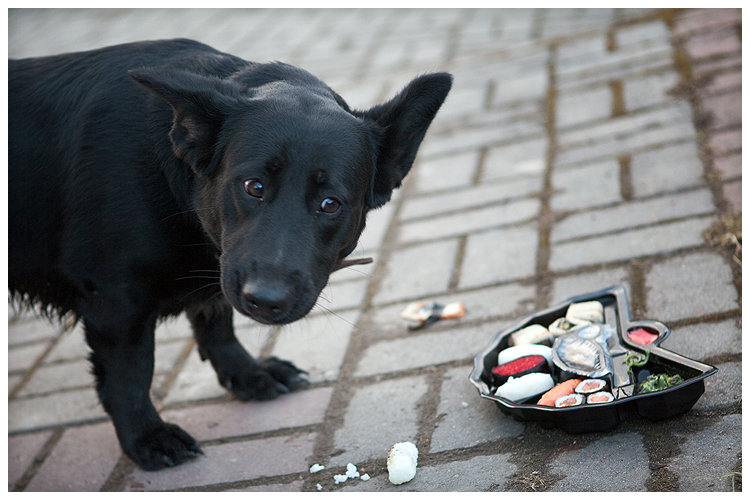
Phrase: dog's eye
{"type": "Point", "coordinates": [254, 188]}
{"type": "Point", "coordinates": [330, 205]}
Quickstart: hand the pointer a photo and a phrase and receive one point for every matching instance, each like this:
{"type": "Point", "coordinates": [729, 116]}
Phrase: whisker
{"type": "Point", "coordinates": [324, 308]}
{"type": "Point", "coordinates": [198, 277]}
{"type": "Point", "coordinates": [201, 288]}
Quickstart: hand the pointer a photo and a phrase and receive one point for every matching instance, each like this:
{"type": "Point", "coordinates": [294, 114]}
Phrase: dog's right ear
{"type": "Point", "coordinates": [200, 104]}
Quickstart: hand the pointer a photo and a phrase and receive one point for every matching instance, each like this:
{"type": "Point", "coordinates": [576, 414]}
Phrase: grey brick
{"type": "Point", "coordinates": [580, 283]}
{"type": "Point", "coordinates": [407, 276]}
{"type": "Point", "coordinates": [339, 296]}
{"type": "Point", "coordinates": [448, 172]}
{"type": "Point", "coordinates": [704, 340]}
{"type": "Point", "coordinates": [367, 434]}
{"type": "Point", "coordinates": [499, 255]}
{"type": "Point", "coordinates": [459, 475]}
{"type": "Point", "coordinates": [93, 448]}
{"type": "Point", "coordinates": [317, 344]}
{"type": "Point", "coordinates": [33, 330]}
{"type": "Point", "coordinates": [378, 222]}
{"type": "Point", "coordinates": [622, 455]}
{"type": "Point", "coordinates": [723, 389]}
{"type": "Point", "coordinates": [665, 169]}
{"type": "Point", "coordinates": [629, 244]}
{"type": "Point", "coordinates": [72, 345]}
{"type": "Point", "coordinates": [690, 286]}
{"type": "Point", "coordinates": [469, 221]}
{"type": "Point", "coordinates": [240, 418]}
{"type": "Point", "coordinates": [53, 409]}
{"type": "Point", "coordinates": [230, 462]}
{"type": "Point", "coordinates": [425, 349]}
{"type": "Point", "coordinates": [643, 91]}
{"type": "Point", "coordinates": [709, 455]}
{"type": "Point", "coordinates": [21, 452]}
{"type": "Point", "coordinates": [643, 35]}
{"type": "Point", "coordinates": [632, 214]}
{"type": "Point", "coordinates": [57, 377]}
{"type": "Point", "coordinates": [583, 105]}
{"type": "Point", "coordinates": [586, 186]}
{"type": "Point", "coordinates": [460, 403]}
{"type": "Point", "coordinates": [526, 158]}
{"type": "Point", "coordinates": [23, 357]}
{"type": "Point", "coordinates": [456, 198]}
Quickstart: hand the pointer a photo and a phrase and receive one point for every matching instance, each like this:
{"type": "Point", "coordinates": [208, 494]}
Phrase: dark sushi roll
{"type": "Point", "coordinates": [524, 365]}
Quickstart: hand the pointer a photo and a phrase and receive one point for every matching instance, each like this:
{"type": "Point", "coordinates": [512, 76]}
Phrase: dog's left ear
{"type": "Point", "coordinates": [200, 104]}
{"type": "Point", "coordinates": [403, 122]}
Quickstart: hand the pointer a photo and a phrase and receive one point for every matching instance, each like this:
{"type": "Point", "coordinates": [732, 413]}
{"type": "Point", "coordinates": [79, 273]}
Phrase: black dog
{"type": "Point", "coordinates": [136, 171]}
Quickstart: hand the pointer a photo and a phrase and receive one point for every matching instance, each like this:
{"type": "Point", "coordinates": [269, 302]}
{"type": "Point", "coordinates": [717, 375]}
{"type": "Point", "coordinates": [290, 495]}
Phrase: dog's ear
{"type": "Point", "coordinates": [402, 123]}
{"type": "Point", "coordinates": [200, 104]}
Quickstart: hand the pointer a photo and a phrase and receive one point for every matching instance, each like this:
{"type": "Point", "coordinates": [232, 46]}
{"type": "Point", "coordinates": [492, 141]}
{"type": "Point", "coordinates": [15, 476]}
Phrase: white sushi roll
{"type": "Point", "coordinates": [402, 462]}
{"type": "Point", "coordinates": [569, 400]}
{"type": "Point", "coordinates": [585, 312]}
{"type": "Point", "coordinates": [532, 334]}
{"type": "Point", "coordinates": [519, 351]}
{"type": "Point", "coordinates": [600, 397]}
{"type": "Point", "coordinates": [560, 326]}
{"type": "Point", "coordinates": [520, 388]}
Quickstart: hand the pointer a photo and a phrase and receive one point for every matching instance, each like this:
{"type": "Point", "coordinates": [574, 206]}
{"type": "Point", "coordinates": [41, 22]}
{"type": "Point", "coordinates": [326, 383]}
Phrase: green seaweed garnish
{"type": "Point", "coordinates": [659, 382]}
{"type": "Point", "coordinates": [634, 359]}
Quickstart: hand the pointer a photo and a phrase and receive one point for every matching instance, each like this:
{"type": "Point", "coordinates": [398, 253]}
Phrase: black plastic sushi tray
{"type": "Point", "coordinates": [623, 380]}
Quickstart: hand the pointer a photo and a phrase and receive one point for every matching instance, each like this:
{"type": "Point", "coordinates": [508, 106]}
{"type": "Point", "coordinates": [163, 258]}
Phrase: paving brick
{"type": "Point", "coordinates": [629, 244]}
{"type": "Point", "coordinates": [725, 141]}
{"type": "Point", "coordinates": [665, 169]}
{"type": "Point", "coordinates": [57, 377]}
{"type": "Point", "coordinates": [53, 409]}
{"type": "Point", "coordinates": [499, 255]}
{"type": "Point", "coordinates": [425, 349]}
{"type": "Point", "coordinates": [726, 110]}
{"type": "Point", "coordinates": [21, 452]}
{"type": "Point", "coordinates": [240, 418]}
{"type": "Point", "coordinates": [459, 475]}
{"type": "Point", "coordinates": [469, 221]}
{"type": "Point", "coordinates": [721, 83]}
{"type": "Point", "coordinates": [712, 44]}
{"type": "Point", "coordinates": [709, 455]}
{"type": "Point", "coordinates": [31, 331]}
{"type": "Point", "coordinates": [229, 462]}
{"type": "Point", "coordinates": [622, 455]}
{"type": "Point", "coordinates": [317, 344]}
{"type": "Point", "coordinates": [586, 186]}
{"type": "Point", "coordinates": [23, 357]}
{"type": "Point", "coordinates": [460, 403]}
{"type": "Point", "coordinates": [704, 340]}
{"type": "Point", "coordinates": [520, 159]}
{"type": "Point", "coordinates": [339, 296]}
{"type": "Point", "coordinates": [701, 19]}
{"type": "Point", "coordinates": [378, 222]}
{"type": "Point", "coordinates": [729, 167]}
{"type": "Point", "coordinates": [366, 434]}
{"type": "Point", "coordinates": [723, 389]}
{"type": "Point", "coordinates": [407, 276]}
{"type": "Point", "coordinates": [654, 33]}
{"type": "Point", "coordinates": [456, 199]}
{"type": "Point", "coordinates": [93, 448]}
{"type": "Point", "coordinates": [583, 105]}
{"type": "Point", "coordinates": [70, 346]}
{"type": "Point", "coordinates": [632, 214]}
{"type": "Point", "coordinates": [580, 283]}
{"type": "Point", "coordinates": [448, 172]}
{"type": "Point", "coordinates": [276, 487]}
{"type": "Point", "coordinates": [644, 91]}
{"type": "Point", "coordinates": [690, 286]}
{"type": "Point", "coordinates": [732, 192]}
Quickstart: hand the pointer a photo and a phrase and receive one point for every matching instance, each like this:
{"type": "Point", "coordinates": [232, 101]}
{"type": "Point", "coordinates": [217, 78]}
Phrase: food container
{"type": "Point", "coordinates": [621, 381]}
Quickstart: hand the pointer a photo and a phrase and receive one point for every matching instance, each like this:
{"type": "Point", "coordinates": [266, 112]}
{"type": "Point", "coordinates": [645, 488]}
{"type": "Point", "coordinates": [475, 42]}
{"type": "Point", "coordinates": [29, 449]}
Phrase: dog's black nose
{"type": "Point", "coordinates": [266, 301]}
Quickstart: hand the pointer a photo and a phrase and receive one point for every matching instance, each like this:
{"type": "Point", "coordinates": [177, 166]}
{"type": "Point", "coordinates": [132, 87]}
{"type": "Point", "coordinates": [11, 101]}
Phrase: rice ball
{"type": "Point", "coordinates": [402, 462]}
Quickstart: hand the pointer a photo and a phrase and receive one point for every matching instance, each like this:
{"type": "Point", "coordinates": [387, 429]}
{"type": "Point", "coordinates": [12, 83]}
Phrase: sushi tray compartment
{"type": "Point", "coordinates": [584, 366]}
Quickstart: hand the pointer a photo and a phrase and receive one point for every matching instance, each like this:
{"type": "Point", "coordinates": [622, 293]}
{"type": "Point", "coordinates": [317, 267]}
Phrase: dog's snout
{"type": "Point", "coordinates": [266, 301]}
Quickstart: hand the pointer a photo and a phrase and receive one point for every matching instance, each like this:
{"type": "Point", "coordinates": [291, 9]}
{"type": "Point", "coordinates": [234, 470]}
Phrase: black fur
{"type": "Point", "coordinates": [153, 178]}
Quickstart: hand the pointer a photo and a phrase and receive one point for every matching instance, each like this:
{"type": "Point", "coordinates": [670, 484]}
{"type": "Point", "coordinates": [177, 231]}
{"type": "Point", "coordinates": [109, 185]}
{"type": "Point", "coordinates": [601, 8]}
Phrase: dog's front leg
{"type": "Point", "coordinates": [123, 363]}
{"type": "Point", "coordinates": [246, 377]}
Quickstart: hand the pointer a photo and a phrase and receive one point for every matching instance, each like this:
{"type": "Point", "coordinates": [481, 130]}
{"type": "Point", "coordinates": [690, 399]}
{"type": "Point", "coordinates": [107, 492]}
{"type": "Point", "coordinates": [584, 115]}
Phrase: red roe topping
{"type": "Point", "coordinates": [519, 365]}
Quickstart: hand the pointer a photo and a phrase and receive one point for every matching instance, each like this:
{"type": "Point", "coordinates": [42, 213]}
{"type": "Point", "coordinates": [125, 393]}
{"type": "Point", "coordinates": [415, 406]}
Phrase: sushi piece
{"type": "Point", "coordinates": [532, 334]}
{"type": "Point", "coordinates": [585, 312]}
{"type": "Point", "coordinates": [560, 326]}
{"type": "Point", "coordinates": [569, 400]}
{"type": "Point", "coordinates": [600, 397]}
{"type": "Point", "coordinates": [402, 462]}
{"type": "Point", "coordinates": [518, 351]}
{"type": "Point", "coordinates": [422, 314]}
{"type": "Point", "coordinates": [519, 367]}
{"type": "Point", "coordinates": [642, 336]}
{"type": "Point", "coordinates": [581, 357]}
{"type": "Point", "coordinates": [520, 388]}
{"type": "Point", "coordinates": [590, 386]}
{"type": "Point", "coordinates": [558, 391]}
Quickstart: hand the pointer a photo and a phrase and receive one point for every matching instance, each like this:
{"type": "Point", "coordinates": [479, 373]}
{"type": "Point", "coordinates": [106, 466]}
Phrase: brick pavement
{"type": "Point", "coordinates": [579, 149]}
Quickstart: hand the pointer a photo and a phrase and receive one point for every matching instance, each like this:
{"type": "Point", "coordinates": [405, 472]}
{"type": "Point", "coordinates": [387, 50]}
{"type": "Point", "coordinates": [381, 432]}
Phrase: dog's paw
{"type": "Point", "coordinates": [264, 379]}
{"type": "Point", "coordinates": [163, 446]}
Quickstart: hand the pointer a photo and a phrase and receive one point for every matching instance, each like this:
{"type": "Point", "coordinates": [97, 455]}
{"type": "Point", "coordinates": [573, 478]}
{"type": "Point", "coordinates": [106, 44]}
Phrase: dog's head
{"type": "Point", "coordinates": [285, 173]}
